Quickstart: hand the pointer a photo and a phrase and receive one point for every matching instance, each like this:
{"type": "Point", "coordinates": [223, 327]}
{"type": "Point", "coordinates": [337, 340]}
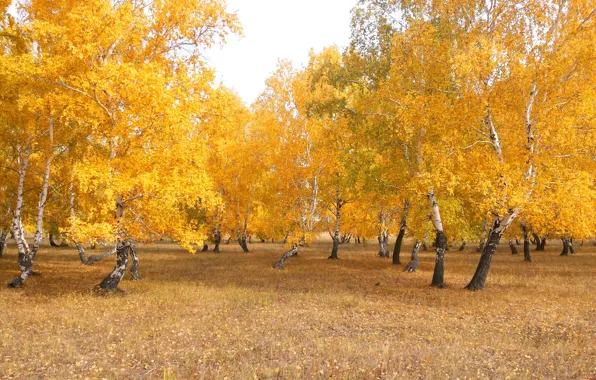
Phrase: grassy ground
{"type": "Point", "coordinates": [232, 316]}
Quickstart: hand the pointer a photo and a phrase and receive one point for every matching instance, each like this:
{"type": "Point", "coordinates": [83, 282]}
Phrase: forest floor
{"type": "Point", "coordinates": [232, 316]}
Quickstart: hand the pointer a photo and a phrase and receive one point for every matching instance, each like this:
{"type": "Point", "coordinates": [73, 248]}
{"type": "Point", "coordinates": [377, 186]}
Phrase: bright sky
{"type": "Point", "coordinates": [276, 29]}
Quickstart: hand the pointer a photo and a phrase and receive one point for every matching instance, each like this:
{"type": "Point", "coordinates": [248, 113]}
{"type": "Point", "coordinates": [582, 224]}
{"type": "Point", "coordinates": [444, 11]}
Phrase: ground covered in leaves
{"type": "Point", "coordinates": [231, 315]}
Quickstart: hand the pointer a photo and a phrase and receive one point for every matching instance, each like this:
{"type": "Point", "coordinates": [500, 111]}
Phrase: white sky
{"type": "Point", "coordinates": [276, 29]}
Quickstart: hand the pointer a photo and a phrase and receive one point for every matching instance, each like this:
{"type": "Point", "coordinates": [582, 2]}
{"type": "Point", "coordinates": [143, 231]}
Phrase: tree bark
{"type": "Point", "coordinates": [570, 245]}
{"type": "Point", "coordinates": [280, 264]}
{"type": "Point", "coordinates": [499, 226]}
{"type": "Point", "coordinates": [542, 244]}
{"type": "Point", "coordinates": [25, 258]}
{"type": "Point", "coordinates": [527, 256]}
{"type": "Point", "coordinates": [205, 247]}
{"type": "Point", "coordinates": [512, 246]}
{"type": "Point", "coordinates": [565, 251]}
{"type": "Point", "coordinates": [336, 235]}
{"type": "Point", "coordinates": [536, 241]}
{"type": "Point", "coordinates": [463, 246]}
{"type": "Point", "coordinates": [413, 264]}
{"type": "Point", "coordinates": [242, 243]}
{"type": "Point", "coordinates": [400, 235]}
{"type": "Point", "coordinates": [112, 281]}
{"type": "Point", "coordinates": [216, 239]}
{"type": "Point", "coordinates": [440, 242]}
{"type": "Point", "coordinates": [3, 241]}
{"type": "Point", "coordinates": [134, 269]}
{"type": "Point", "coordinates": [52, 241]}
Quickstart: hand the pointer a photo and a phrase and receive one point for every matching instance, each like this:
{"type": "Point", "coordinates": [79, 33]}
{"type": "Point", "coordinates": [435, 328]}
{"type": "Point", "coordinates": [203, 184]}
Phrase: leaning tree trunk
{"type": "Point", "coordinates": [52, 241]}
{"type": "Point", "coordinates": [113, 279]}
{"type": "Point", "coordinates": [400, 235]}
{"type": "Point", "coordinates": [499, 226]}
{"type": "Point", "coordinates": [440, 243]}
{"type": "Point", "coordinates": [565, 251]}
{"type": "Point", "coordinates": [413, 264]}
{"type": "Point", "coordinates": [280, 264]}
{"type": "Point", "coordinates": [512, 246]}
{"type": "Point", "coordinates": [527, 256]}
{"type": "Point", "coordinates": [242, 243]}
{"type": "Point", "coordinates": [336, 235]}
{"type": "Point", "coordinates": [570, 245]}
{"type": "Point", "coordinates": [216, 239]}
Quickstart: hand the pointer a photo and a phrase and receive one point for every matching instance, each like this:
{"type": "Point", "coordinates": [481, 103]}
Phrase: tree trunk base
{"type": "Point", "coordinates": [412, 266]}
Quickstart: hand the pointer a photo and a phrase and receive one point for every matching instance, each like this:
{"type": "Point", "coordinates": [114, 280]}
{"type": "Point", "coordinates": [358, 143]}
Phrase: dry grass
{"type": "Point", "coordinates": [232, 316]}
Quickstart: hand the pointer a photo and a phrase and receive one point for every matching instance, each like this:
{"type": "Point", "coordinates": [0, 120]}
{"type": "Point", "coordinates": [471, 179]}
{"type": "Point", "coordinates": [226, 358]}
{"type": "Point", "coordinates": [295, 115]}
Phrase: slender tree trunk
{"type": "Point", "coordinates": [205, 247]}
{"type": "Point", "coordinates": [463, 246]}
{"type": "Point", "coordinates": [3, 241]}
{"type": "Point", "coordinates": [517, 242]}
{"type": "Point", "coordinates": [413, 264]}
{"type": "Point", "coordinates": [499, 226]}
{"type": "Point", "coordinates": [382, 238]}
{"type": "Point", "coordinates": [280, 264]}
{"type": "Point", "coordinates": [216, 239]}
{"type": "Point", "coordinates": [134, 269]}
{"type": "Point", "coordinates": [565, 247]}
{"type": "Point", "coordinates": [338, 206]}
{"type": "Point", "coordinates": [229, 239]}
{"type": "Point", "coordinates": [512, 246]}
{"type": "Point", "coordinates": [400, 235]}
{"type": "Point", "coordinates": [25, 258]}
{"type": "Point", "coordinates": [440, 243]}
{"type": "Point", "coordinates": [527, 256]}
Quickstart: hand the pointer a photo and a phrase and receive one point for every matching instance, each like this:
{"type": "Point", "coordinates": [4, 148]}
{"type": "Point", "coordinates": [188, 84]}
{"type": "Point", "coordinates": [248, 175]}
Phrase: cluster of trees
{"type": "Point", "coordinates": [463, 120]}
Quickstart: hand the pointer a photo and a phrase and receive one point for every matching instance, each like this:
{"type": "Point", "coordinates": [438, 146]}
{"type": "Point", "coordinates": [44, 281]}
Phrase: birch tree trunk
{"type": "Point", "coordinates": [43, 198]}
{"type": "Point", "coordinates": [498, 227]}
{"type": "Point", "coordinates": [413, 264]}
{"type": "Point", "coordinates": [25, 262]}
{"type": "Point", "coordinates": [123, 248]}
{"type": "Point", "coordinates": [400, 235]}
{"type": "Point", "coordinates": [280, 264]}
{"type": "Point", "coordinates": [440, 243]}
{"type": "Point", "coordinates": [338, 206]}
{"type": "Point", "coordinates": [570, 245]}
